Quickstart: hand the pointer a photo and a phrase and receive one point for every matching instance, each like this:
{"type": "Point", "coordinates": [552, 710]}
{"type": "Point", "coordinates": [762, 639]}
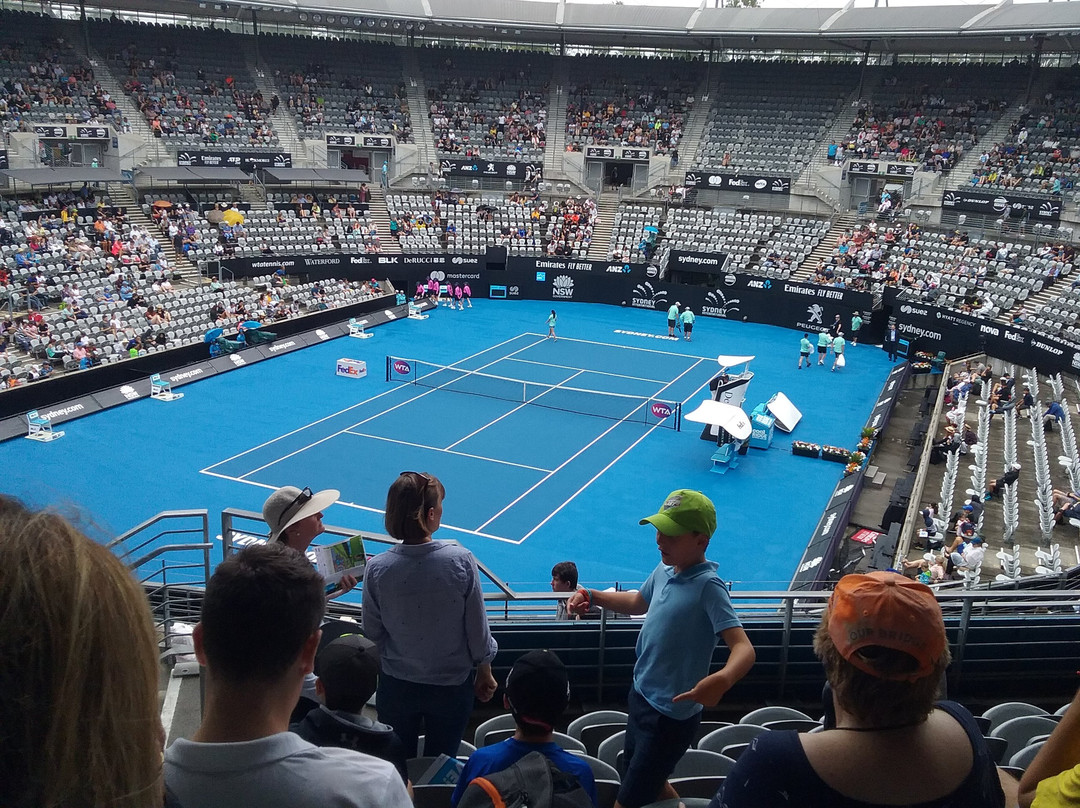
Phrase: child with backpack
{"type": "Point", "coordinates": [530, 764]}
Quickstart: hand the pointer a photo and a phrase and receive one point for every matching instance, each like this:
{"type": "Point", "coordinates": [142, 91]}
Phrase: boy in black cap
{"type": "Point", "coordinates": [348, 671]}
{"type": "Point", "coordinates": [536, 693]}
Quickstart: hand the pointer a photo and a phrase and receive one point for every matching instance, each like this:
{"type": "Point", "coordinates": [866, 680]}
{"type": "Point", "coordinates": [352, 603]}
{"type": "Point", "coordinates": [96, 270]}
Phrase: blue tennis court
{"type": "Point", "coordinates": [549, 450]}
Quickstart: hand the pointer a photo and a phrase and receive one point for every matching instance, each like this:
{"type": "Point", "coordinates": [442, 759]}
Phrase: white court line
{"type": "Point", "coordinates": [376, 415]}
{"type": "Point", "coordinates": [520, 406]}
{"type": "Point", "coordinates": [168, 706]}
{"type": "Point", "coordinates": [605, 468]}
{"type": "Point", "coordinates": [597, 372]}
{"type": "Point", "coordinates": [447, 450]}
{"type": "Point", "coordinates": [353, 407]}
{"type": "Point", "coordinates": [578, 453]}
{"type": "Point", "coordinates": [628, 347]}
{"type": "Point", "coordinates": [369, 509]}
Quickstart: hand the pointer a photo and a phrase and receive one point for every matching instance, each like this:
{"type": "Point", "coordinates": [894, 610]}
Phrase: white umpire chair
{"type": "Point", "coordinates": [39, 427]}
{"type": "Point", "coordinates": [356, 329]}
{"type": "Point", "coordinates": [161, 389]}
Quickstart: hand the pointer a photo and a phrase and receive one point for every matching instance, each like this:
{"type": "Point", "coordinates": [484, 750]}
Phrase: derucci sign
{"type": "Point", "coordinates": [496, 169]}
{"type": "Point", "coordinates": [246, 161]}
{"type": "Point", "coordinates": [744, 183]}
{"type": "Point", "coordinates": [1010, 205]}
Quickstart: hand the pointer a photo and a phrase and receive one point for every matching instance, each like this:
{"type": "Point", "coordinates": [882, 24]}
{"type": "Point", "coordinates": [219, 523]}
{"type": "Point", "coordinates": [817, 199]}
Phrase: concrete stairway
{"type": "Point", "coordinates": [839, 129]}
{"type": "Point", "coordinates": [282, 121]}
{"type": "Point", "coordinates": [380, 216]}
{"type": "Point", "coordinates": [607, 206]}
{"type": "Point", "coordinates": [694, 129]}
{"type": "Point", "coordinates": [156, 154]}
{"type": "Point", "coordinates": [999, 132]}
{"type": "Point", "coordinates": [555, 149]}
{"type": "Point", "coordinates": [254, 196]}
{"type": "Point", "coordinates": [123, 195]}
{"type": "Point", "coordinates": [805, 271]}
{"type": "Point", "coordinates": [418, 111]}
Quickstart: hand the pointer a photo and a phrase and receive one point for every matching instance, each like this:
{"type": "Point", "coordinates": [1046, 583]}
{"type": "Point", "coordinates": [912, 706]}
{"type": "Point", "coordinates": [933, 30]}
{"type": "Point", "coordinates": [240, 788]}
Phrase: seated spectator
{"type": "Point", "coordinates": [1011, 475]}
{"type": "Point", "coordinates": [883, 645]}
{"type": "Point", "coordinates": [1053, 777]}
{"type": "Point", "coordinates": [257, 639]}
{"type": "Point", "coordinates": [79, 708]}
{"type": "Point", "coordinates": [1054, 412]}
{"type": "Point", "coordinates": [348, 673]}
{"type": "Point", "coordinates": [537, 692]}
{"type": "Point", "coordinates": [1026, 401]}
{"type": "Point", "coordinates": [949, 442]}
{"type": "Point", "coordinates": [967, 555]}
{"type": "Point", "coordinates": [564, 578]}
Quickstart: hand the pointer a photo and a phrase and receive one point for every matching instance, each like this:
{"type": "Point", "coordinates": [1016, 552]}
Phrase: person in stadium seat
{"type": "Point", "coordinates": [1051, 780]}
{"type": "Point", "coordinates": [1054, 413]}
{"type": "Point", "coordinates": [537, 692]}
{"type": "Point", "coordinates": [424, 609]}
{"type": "Point", "coordinates": [883, 645]}
{"type": "Point", "coordinates": [257, 639]}
{"type": "Point", "coordinates": [1011, 475]}
{"type": "Point", "coordinates": [79, 714]}
{"type": "Point", "coordinates": [688, 609]}
{"type": "Point", "coordinates": [348, 673]}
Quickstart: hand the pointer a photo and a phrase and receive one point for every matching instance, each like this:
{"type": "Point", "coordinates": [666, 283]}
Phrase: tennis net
{"type": "Point", "coordinates": [613, 406]}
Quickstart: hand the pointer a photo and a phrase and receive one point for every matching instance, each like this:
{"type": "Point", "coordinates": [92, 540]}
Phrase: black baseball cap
{"type": "Point", "coordinates": [348, 668]}
{"type": "Point", "coordinates": [538, 690]}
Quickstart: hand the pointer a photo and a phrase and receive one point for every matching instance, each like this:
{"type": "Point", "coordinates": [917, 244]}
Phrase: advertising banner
{"type": "Point", "coordinates": [732, 181]}
{"type": "Point", "coordinates": [497, 169]}
{"type": "Point", "coordinates": [988, 203]}
{"type": "Point", "coordinates": [888, 169]}
{"type": "Point", "coordinates": [3, 159]}
{"type": "Point", "coordinates": [244, 160]}
{"type": "Point", "coordinates": [617, 153]}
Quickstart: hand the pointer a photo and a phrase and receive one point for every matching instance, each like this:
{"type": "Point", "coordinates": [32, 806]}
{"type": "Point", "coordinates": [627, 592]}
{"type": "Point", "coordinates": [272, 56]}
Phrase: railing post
{"type": "Point", "coordinates": [785, 644]}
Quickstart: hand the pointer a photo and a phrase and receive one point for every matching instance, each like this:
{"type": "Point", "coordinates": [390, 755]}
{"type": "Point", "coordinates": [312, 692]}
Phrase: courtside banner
{"type": "Point", "coordinates": [238, 359]}
{"type": "Point", "coordinates": [931, 329]}
{"type": "Point", "coordinates": [494, 169]}
{"type": "Point", "coordinates": [122, 394]}
{"type": "Point", "coordinates": [314, 266]}
{"type": "Point", "coordinates": [246, 161]}
{"type": "Point", "coordinates": [281, 346]}
{"type": "Point", "coordinates": [189, 374]}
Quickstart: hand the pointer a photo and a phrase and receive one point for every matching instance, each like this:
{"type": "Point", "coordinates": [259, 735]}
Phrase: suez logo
{"type": "Point", "coordinates": [660, 409]}
{"type": "Point", "coordinates": [906, 309]}
{"type": "Point", "coordinates": [402, 368]}
{"type": "Point", "coordinates": [562, 287]}
{"type": "Point", "coordinates": [461, 259]}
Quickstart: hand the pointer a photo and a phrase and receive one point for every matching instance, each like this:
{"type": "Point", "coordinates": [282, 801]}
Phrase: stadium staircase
{"type": "Point", "coordinates": [418, 112]}
{"type": "Point", "coordinates": [254, 196]}
{"type": "Point", "coordinates": [554, 166]}
{"type": "Point", "coordinates": [282, 121]}
{"type": "Point", "coordinates": [998, 133]}
{"type": "Point", "coordinates": [838, 131]}
{"type": "Point", "coordinates": [156, 154]}
{"type": "Point", "coordinates": [380, 216]}
{"type": "Point", "coordinates": [808, 267]}
{"type": "Point", "coordinates": [694, 130]}
{"type": "Point", "coordinates": [607, 208]}
{"type": "Point", "coordinates": [123, 195]}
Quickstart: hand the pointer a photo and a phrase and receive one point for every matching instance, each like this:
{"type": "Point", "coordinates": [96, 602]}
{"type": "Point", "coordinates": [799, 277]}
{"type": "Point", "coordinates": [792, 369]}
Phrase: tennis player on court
{"type": "Point", "coordinates": [551, 325]}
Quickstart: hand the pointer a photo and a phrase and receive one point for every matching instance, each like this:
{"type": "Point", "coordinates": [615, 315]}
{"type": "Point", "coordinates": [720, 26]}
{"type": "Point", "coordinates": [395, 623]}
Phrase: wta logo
{"type": "Point", "coordinates": [402, 368]}
{"type": "Point", "coordinates": [660, 409]}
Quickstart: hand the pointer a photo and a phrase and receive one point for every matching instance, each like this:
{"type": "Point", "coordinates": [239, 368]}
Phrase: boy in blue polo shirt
{"type": "Point", "coordinates": [688, 609]}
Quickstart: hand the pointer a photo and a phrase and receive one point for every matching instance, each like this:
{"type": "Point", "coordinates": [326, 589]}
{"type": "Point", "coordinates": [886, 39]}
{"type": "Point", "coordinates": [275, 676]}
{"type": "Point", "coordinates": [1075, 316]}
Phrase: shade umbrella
{"type": "Point", "coordinates": [726, 416]}
{"type": "Point", "coordinates": [250, 324]}
{"type": "Point", "coordinates": [162, 204]}
{"type": "Point", "coordinates": [212, 334]}
{"type": "Point", "coordinates": [233, 216]}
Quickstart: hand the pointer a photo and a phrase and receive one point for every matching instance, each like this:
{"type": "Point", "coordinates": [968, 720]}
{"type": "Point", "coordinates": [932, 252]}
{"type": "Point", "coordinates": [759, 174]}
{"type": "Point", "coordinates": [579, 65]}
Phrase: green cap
{"type": "Point", "coordinates": [684, 511]}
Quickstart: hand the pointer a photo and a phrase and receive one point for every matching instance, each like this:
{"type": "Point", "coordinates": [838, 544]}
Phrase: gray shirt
{"type": "Point", "coordinates": [279, 770]}
{"type": "Point", "coordinates": [424, 608]}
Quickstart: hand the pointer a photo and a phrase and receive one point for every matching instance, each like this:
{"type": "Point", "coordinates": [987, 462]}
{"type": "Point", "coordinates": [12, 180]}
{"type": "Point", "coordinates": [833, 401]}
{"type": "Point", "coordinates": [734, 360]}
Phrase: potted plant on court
{"type": "Point", "coordinates": [835, 454]}
{"type": "Point", "coordinates": [805, 449]}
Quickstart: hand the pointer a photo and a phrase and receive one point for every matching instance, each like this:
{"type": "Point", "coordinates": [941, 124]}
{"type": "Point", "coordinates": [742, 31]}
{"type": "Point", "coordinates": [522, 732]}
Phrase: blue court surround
{"type": "Point", "coordinates": [526, 486]}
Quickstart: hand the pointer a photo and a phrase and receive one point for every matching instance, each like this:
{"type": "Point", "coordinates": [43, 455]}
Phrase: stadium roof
{"type": "Point", "coordinates": [1006, 27]}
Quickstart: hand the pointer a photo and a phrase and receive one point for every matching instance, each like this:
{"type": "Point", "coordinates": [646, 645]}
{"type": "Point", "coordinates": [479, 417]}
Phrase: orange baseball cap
{"type": "Point", "coordinates": [888, 610]}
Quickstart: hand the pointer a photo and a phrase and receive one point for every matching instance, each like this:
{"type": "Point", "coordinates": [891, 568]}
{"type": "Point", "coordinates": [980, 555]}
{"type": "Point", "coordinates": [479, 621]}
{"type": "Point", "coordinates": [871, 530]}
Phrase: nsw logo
{"type": "Point", "coordinates": [562, 287]}
{"type": "Point", "coordinates": [660, 409]}
{"type": "Point", "coordinates": [402, 368]}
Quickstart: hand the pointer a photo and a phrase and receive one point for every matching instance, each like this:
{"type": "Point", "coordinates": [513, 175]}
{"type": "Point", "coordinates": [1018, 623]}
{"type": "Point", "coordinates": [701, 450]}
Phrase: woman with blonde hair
{"type": "Point", "coordinates": [79, 721]}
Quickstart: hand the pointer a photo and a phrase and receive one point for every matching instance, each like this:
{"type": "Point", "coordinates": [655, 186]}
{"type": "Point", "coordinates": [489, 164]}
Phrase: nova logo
{"type": "Point", "coordinates": [402, 368]}
{"type": "Point", "coordinates": [562, 287]}
{"type": "Point", "coordinates": [760, 184]}
{"type": "Point", "coordinates": [660, 409]}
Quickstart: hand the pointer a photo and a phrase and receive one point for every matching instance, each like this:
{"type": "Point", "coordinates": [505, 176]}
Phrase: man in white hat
{"type": "Point", "coordinates": [295, 519]}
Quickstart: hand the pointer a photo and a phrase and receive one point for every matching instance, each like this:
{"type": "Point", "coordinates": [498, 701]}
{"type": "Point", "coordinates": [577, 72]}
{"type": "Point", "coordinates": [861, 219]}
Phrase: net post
{"type": "Point", "coordinates": [388, 361]}
{"type": "Point", "coordinates": [678, 417]}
